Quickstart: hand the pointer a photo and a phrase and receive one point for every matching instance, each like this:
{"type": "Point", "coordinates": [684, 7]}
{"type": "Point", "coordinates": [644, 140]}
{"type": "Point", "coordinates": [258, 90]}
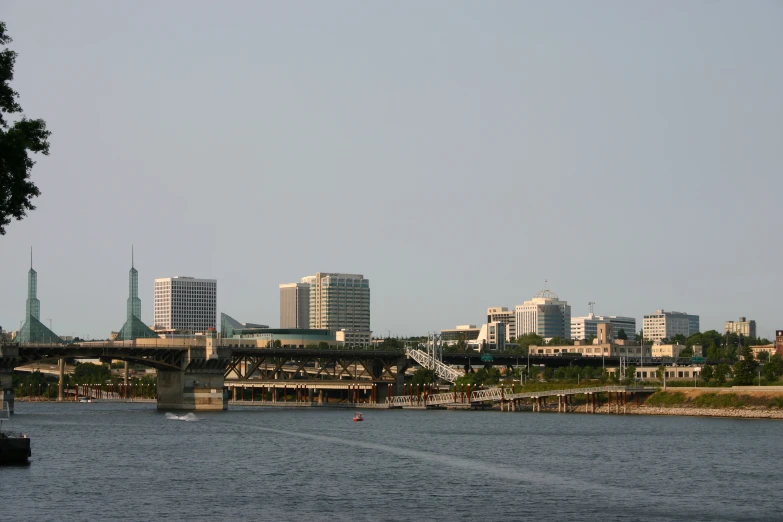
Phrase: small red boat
{"type": "Point", "coordinates": [358, 417]}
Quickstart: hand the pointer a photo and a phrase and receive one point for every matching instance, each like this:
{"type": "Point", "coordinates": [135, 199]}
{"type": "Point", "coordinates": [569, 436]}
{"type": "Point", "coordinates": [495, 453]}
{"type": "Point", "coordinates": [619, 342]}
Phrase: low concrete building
{"type": "Point", "coordinates": [466, 332]}
{"type": "Point", "coordinates": [667, 350]}
{"type": "Point", "coordinates": [673, 373]}
{"type": "Point", "coordinates": [765, 348]}
{"type": "Point", "coordinates": [354, 337]}
{"type": "Point", "coordinates": [614, 349]}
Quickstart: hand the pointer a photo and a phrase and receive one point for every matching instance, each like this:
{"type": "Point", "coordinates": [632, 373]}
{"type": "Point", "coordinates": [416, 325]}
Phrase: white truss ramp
{"type": "Point", "coordinates": [445, 372]}
{"type": "Point", "coordinates": [500, 394]}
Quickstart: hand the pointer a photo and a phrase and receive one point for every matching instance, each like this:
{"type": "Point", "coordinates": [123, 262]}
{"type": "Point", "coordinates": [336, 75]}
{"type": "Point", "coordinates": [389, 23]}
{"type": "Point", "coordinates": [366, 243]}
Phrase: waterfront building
{"type": "Point", "coordinates": [295, 305]}
{"type": "Point", "coordinates": [234, 333]}
{"type": "Point", "coordinates": [465, 332]}
{"type": "Point", "coordinates": [502, 314]}
{"type": "Point", "coordinates": [340, 302]}
{"type": "Point", "coordinates": [185, 304]}
{"type": "Point", "coordinates": [230, 327]}
{"type": "Point", "coordinates": [586, 327]}
{"type": "Point", "coordinates": [33, 330]}
{"type": "Point", "coordinates": [741, 327]}
{"type": "Point", "coordinates": [545, 315]}
{"type": "Point", "coordinates": [133, 328]}
{"type": "Point", "coordinates": [672, 373]}
{"type": "Point", "coordinates": [665, 325]}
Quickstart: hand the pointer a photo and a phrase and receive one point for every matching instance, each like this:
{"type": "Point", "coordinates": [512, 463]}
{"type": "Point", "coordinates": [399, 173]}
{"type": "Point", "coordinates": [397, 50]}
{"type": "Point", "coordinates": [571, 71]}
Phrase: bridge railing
{"type": "Point", "coordinates": [443, 371]}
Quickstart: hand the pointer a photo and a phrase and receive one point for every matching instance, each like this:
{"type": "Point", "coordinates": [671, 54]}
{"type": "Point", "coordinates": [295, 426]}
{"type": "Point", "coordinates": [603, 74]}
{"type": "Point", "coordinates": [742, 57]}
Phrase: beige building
{"type": "Point", "coordinates": [502, 314]}
{"type": "Point", "coordinates": [741, 327]}
{"type": "Point", "coordinates": [765, 348]}
{"type": "Point", "coordinates": [673, 373]}
{"type": "Point", "coordinates": [339, 301]}
{"type": "Point", "coordinates": [295, 305]}
{"type": "Point", "coordinates": [667, 350]}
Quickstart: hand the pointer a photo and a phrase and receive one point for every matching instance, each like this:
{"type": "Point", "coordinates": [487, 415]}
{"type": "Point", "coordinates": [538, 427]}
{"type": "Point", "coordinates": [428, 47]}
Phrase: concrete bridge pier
{"type": "Point", "coordinates": [61, 381]}
{"type": "Point", "coordinates": [402, 365]}
{"type": "Point", "coordinates": [199, 385]}
{"type": "Point", "coordinates": [9, 356]}
{"type": "Point", "coordinates": [7, 387]}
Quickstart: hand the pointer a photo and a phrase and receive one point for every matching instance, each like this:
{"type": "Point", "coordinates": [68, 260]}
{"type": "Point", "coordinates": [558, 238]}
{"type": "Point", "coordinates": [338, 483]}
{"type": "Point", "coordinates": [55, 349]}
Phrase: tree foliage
{"type": "Point", "coordinates": [482, 376]}
{"type": "Point", "coordinates": [745, 368]}
{"type": "Point", "coordinates": [18, 140]}
{"type": "Point", "coordinates": [524, 342]}
{"type": "Point", "coordinates": [424, 376]}
{"type": "Point", "coordinates": [88, 373]}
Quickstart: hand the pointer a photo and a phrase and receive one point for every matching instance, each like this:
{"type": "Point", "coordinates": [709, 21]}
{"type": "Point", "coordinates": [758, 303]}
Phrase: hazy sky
{"type": "Point", "coordinates": [458, 154]}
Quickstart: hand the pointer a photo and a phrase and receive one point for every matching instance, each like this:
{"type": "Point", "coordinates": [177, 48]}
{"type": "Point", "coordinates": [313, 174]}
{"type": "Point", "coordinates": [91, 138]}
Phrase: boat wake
{"type": "Point", "coordinates": [189, 417]}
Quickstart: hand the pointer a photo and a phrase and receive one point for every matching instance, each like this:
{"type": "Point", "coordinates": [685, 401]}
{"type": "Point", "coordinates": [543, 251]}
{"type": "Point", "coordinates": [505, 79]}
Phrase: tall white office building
{"type": "Point", "coordinates": [545, 315]}
{"type": "Point", "coordinates": [587, 326]}
{"type": "Point", "coordinates": [339, 302]}
{"type": "Point", "coordinates": [665, 325]}
{"type": "Point", "coordinates": [185, 304]}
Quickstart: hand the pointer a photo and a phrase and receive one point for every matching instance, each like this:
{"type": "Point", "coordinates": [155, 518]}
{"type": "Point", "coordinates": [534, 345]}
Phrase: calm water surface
{"type": "Point", "coordinates": [128, 461]}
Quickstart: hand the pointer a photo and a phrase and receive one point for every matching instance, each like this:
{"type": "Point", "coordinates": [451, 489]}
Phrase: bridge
{"type": "Point", "coordinates": [192, 375]}
{"type": "Point", "coordinates": [203, 374]}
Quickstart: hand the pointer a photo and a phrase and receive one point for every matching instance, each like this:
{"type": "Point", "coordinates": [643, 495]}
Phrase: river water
{"type": "Point", "coordinates": [118, 461]}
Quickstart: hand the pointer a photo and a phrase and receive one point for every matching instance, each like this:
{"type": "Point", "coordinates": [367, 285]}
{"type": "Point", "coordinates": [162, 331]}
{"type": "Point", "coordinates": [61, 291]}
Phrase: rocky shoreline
{"type": "Point", "coordinates": [742, 413]}
{"type": "Point", "coordinates": [685, 411]}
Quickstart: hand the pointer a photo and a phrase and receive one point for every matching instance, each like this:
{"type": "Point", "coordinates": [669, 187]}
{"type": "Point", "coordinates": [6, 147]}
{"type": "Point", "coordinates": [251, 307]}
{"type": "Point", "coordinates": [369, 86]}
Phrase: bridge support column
{"type": "Point", "coordinates": [181, 390]}
{"type": "Point", "coordinates": [7, 389]}
{"type": "Point", "coordinates": [61, 382]}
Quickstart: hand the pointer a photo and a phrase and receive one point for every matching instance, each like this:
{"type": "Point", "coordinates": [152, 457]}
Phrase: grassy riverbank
{"type": "Point", "coordinates": [716, 399]}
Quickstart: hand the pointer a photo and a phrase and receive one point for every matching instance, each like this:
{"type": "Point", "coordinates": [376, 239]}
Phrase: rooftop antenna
{"type": "Point", "coordinates": [591, 304]}
{"type": "Point", "coordinates": [131, 255]}
{"type": "Point", "coordinates": [31, 257]}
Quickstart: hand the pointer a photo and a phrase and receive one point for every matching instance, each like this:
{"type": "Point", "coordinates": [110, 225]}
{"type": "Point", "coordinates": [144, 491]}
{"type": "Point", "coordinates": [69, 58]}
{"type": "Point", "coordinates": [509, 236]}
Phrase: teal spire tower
{"type": "Point", "coordinates": [134, 303]}
{"type": "Point", "coordinates": [33, 304]}
{"type": "Point", "coordinates": [134, 328]}
{"type": "Point", "coordinates": [34, 330]}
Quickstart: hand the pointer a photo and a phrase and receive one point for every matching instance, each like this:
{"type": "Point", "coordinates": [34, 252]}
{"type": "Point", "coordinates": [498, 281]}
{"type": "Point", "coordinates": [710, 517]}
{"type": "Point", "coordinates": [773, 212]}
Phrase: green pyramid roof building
{"type": "Point", "coordinates": [134, 328]}
{"type": "Point", "coordinates": [34, 331]}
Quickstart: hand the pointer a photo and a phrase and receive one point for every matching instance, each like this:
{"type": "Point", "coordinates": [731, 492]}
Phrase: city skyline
{"type": "Point", "coordinates": [333, 142]}
{"type": "Point", "coordinates": [133, 303]}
